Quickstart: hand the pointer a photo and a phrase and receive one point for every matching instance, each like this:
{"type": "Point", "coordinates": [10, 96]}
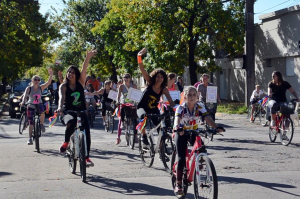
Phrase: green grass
{"type": "Point", "coordinates": [232, 108]}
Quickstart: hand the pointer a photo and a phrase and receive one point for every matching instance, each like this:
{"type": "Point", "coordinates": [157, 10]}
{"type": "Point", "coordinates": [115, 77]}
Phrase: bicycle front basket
{"type": "Point", "coordinates": [287, 108]}
{"type": "Point", "coordinates": [130, 111]}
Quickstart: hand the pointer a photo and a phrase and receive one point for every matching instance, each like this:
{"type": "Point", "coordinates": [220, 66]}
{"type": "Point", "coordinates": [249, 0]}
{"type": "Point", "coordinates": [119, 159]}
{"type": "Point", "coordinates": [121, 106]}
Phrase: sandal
{"type": "Point", "coordinates": [118, 141]}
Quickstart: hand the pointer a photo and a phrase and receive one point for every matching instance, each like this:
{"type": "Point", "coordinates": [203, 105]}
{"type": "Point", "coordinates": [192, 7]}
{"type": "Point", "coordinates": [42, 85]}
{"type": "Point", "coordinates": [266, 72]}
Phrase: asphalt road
{"type": "Point", "coordinates": [248, 165]}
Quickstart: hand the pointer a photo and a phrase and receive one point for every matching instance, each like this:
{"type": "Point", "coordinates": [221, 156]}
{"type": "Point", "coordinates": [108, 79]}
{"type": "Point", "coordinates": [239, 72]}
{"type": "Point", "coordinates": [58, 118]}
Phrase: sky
{"type": "Point", "coordinates": [260, 7]}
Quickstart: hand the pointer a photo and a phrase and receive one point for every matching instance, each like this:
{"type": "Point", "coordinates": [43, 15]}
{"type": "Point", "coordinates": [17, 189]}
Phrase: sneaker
{"type": "Point", "coordinates": [118, 141]}
{"type": "Point", "coordinates": [178, 190]}
{"type": "Point", "coordinates": [29, 142]}
{"type": "Point", "coordinates": [284, 137]}
{"type": "Point", "coordinates": [104, 124]}
{"type": "Point", "coordinates": [273, 124]}
{"type": "Point", "coordinates": [252, 119]}
{"type": "Point", "coordinates": [63, 147]}
{"type": "Point", "coordinates": [43, 128]}
{"type": "Point", "coordinates": [145, 141]}
{"type": "Point", "coordinates": [89, 163]}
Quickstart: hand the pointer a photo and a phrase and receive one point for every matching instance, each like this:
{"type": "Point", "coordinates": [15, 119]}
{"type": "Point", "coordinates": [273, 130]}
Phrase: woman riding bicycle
{"type": "Point", "coordinates": [276, 91]}
{"type": "Point", "coordinates": [122, 95]}
{"type": "Point", "coordinates": [89, 98]}
{"type": "Point", "coordinates": [71, 98]}
{"type": "Point", "coordinates": [187, 116]}
{"type": "Point", "coordinates": [34, 93]}
{"type": "Point", "coordinates": [202, 91]}
{"type": "Point", "coordinates": [171, 82]}
{"type": "Point", "coordinates": [157, 83]}
{"type": "Point", "coordinates": [106, 102]}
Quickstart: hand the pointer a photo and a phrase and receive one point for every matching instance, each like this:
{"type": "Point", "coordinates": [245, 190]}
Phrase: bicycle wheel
{"type": "Point", "coordinates": [272, 134]}
{"type": "Point", "coordinates": [112, 123]}
{"type": "Point", "coordinates": [265, 121]}
{"type": "Point", "coordinates": [166, 151]}
{"type": "Point", "coordinates": [107, 121]}
{"type": "Point", "coordinates": [249, 112]}
{"type": "Point", "coordinates": [71, 154]}
{"type": "Point", "coordinates": [132, 133]}
{"type": "Point", "coordinates": [259, 114]}
{"type": "Point", "coordinates": [22, 123]}
{"type": "Point", "coordinates": [173, 173]}
{"type": "Point", "coordinates": [286, 131]}
{"type": "Point", "coordinates": [82, 158]}
{"type": "Point", "coordinates": [208, 185]}
{"type": "Point", "coordinates": [147, 155]}
{"type": "Point", "coordinates": [37, 132]}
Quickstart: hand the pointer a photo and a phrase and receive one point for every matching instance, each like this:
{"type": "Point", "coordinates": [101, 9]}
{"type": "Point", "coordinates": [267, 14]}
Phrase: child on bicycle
{"type": "Point", "coordinates": [89, 98]}
{"type": "Point", "coordinates": [256, 95]}
{"type": "Point", "coordinates": [188, 116]}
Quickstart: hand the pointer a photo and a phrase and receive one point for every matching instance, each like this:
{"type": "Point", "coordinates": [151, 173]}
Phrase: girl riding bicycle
{"type": "Point", "coordinates": [34, 93]}
{"type": "Point", "coordinates": [89, 98]}
{"type": "Point", "coordinates": [71, 97]}
{"type": "Point", "coordinates": [122, 95]}
{"type": "Point", "coordinates": [157, 83]}
{"type": "Point", "coordinates": [188, 116]}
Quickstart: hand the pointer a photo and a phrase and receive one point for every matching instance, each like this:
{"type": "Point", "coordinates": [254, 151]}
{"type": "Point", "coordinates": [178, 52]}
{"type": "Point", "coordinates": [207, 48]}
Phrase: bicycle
{"type": "Point", "coordinates": [91, 112]}
{"type": "Point", "coordinates": [77, 149]}
{"type": "Point", "coordinates": [109, 123]}
{"type": "Point", "coordinates": [164, 145]}
{"type": "Point", "coordinates": [36, 127]}
{"type": "Point", "coordinates": [284, 124]}
{"type": "Point", "coordinates": [23, 123]}
{"type": "Point", "coordinates": [260, 112]}
{"type": "Point", "coordinates": [130, 122]}
{"type": "Point", "coordinates": [198, 169]}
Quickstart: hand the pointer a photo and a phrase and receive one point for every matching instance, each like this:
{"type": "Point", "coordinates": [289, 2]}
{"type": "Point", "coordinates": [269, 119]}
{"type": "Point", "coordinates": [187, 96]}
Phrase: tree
{"type": "Point", "coordinates": [23, 32]}
{"type": "Point", "coordinates": [179, 33]}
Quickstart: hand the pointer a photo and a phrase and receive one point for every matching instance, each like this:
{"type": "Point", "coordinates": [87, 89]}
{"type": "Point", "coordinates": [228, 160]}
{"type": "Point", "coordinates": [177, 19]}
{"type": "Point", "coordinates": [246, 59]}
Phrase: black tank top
{"type": "Point", "coordinates": [149, 99]}
{"type": "Point", "coordinates": [105, 97]}
{"type": "Point", "coordinates": [75, 100]}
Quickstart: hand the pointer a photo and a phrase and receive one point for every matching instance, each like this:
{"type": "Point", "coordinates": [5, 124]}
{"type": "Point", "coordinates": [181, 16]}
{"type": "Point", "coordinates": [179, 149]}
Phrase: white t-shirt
{"type": "Point", "coordinates": [256, 95]}
{"type": "Point", "coordinates": [88, 97]}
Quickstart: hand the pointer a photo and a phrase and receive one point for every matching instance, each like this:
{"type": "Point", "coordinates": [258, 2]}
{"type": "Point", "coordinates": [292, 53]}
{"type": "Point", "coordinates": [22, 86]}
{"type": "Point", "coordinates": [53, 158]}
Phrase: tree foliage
{"type": "Point", "coordinates": [23, 34]}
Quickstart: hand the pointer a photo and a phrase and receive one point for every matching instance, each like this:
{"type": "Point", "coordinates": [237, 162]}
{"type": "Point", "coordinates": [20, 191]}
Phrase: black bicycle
{"type": "Point", "coordinates": [260, 112]}
{"type": "Point", "coordinates": [164, 145]}
{"type": "Point", "coordinates": [91, 112]}
{"type": "Point", "coordinates": [130, 122]}
{"type": "Point", "coordinates": [77, 149]}
{"type": "Point", "coordinates": [109, 123]}
{"type": "Point", "coordinates": [36, 126]}
{"type": "Point", "coordinates": [23, 123]}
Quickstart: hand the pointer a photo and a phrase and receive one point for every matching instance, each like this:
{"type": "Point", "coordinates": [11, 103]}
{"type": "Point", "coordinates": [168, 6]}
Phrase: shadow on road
{"type": "Point", "coordinates": [5, 173]}
{"type": "Point", "coordinates": [101, 154]}
{"type": "Point", "coordinates": [232, 140]}
{"type": "Point", "coordinates": [273, 186]}
{"type": "Point", "coordinates": [131, 188]}
{"type": "Point", "coordinates": [230, 148]}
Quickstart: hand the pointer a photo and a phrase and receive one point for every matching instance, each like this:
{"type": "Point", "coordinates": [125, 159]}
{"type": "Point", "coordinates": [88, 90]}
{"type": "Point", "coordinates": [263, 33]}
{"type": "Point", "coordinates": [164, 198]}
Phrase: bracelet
{"type": "Point", "coordinates": [140, 59]}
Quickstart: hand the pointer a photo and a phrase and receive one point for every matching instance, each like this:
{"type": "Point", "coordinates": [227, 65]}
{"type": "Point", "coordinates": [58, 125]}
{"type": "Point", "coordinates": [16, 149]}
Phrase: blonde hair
{"type": "Point", "coordinates": [32, 79]}
{"type": "Point", "coordinates": [188, 89]}
{"type": "Point", "coordinates": [107, 82]}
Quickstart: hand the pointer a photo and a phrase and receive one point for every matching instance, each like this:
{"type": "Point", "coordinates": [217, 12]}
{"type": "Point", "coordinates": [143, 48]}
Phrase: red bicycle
{"type": "Point", "coordinates": [199, 168]}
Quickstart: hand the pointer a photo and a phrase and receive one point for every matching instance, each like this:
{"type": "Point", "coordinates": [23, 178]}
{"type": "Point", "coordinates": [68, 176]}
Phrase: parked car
{"type": "Point", "coordinates": [14, 97]}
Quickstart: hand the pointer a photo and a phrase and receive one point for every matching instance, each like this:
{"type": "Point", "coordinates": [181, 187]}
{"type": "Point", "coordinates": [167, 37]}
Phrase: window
{"type": "Point", "coordinates": [290, 66]}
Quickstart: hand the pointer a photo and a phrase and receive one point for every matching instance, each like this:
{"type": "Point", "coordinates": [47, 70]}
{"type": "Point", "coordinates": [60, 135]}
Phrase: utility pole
{"type": "Point", "coordinates": [250, 54]}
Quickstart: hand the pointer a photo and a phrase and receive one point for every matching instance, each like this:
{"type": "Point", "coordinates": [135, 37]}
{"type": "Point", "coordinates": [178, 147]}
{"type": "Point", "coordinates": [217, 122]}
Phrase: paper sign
{"type": "Point", "coordinates": [112, 95]}
{"type": "Point", "coordinates": [211, 94]}
{"type": "Point", "coordinates": [134, 95]}
{"type": "Point", "coordinates": [174, 95]}
{"type": "Point", "coordinates": [54, 85]}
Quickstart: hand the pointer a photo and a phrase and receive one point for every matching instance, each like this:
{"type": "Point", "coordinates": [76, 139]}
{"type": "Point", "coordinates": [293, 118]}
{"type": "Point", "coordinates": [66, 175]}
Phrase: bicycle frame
{"type": "Point", "coordinates": [76, 137]}
{"type": "Point", "coordinates": [195, 159]}
{"type": "Point", "coordinates": [277, 121]}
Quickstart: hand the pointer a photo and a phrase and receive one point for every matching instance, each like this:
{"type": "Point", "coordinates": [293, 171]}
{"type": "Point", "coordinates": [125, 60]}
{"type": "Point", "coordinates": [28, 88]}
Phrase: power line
{"type": "Point", "coordinates": [273, 7]}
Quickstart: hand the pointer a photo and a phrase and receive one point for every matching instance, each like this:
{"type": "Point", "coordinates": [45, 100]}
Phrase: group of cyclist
{"type": "Point", "coordinates": [188, 115]}
{"type": "Point", "coordinates": [276, 93]}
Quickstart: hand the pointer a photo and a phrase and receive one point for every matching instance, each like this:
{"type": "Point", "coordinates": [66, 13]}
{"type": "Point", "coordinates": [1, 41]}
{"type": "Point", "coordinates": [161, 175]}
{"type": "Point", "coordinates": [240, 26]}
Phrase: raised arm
{"type": "Point", "coordinates": [50, 72]}
{"type": "Point", "coordinates": [119, 92]}
{"type": "Point", "coordinates": [85, 64]}
{"type": "Point", "coordinates": [60, 77]}
{"type": "Point", "coordinates": [141, 65]}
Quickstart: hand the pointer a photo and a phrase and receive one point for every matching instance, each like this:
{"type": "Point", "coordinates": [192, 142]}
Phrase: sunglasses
{"type": "Point", "coordinates": [37, 80]}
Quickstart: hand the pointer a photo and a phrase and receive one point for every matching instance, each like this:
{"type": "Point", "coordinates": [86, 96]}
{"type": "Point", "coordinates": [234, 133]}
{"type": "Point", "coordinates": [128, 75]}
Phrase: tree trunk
{"type": "Point", "coordinates": [192, 63]}
{"type": "Point", "coordinates": [114, 76]}
{"type": "Point", "coordinates": [4, 84]}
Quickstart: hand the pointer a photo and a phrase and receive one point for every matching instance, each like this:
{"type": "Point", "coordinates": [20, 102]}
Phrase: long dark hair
{"type": "Point", "coordinates": [153, 75]}
{"type": "Point", "coordinates": [279, 76]}
{"type": "Point", "coordinates": [76, 70]}
{"type": "Point", "coordinates": [92, 87]}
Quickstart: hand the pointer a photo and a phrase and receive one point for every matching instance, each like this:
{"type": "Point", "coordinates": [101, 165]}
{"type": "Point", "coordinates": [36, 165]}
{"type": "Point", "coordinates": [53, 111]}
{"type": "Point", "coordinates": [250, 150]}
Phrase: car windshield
{"type": "Point", "coordinates": [20, 86]}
